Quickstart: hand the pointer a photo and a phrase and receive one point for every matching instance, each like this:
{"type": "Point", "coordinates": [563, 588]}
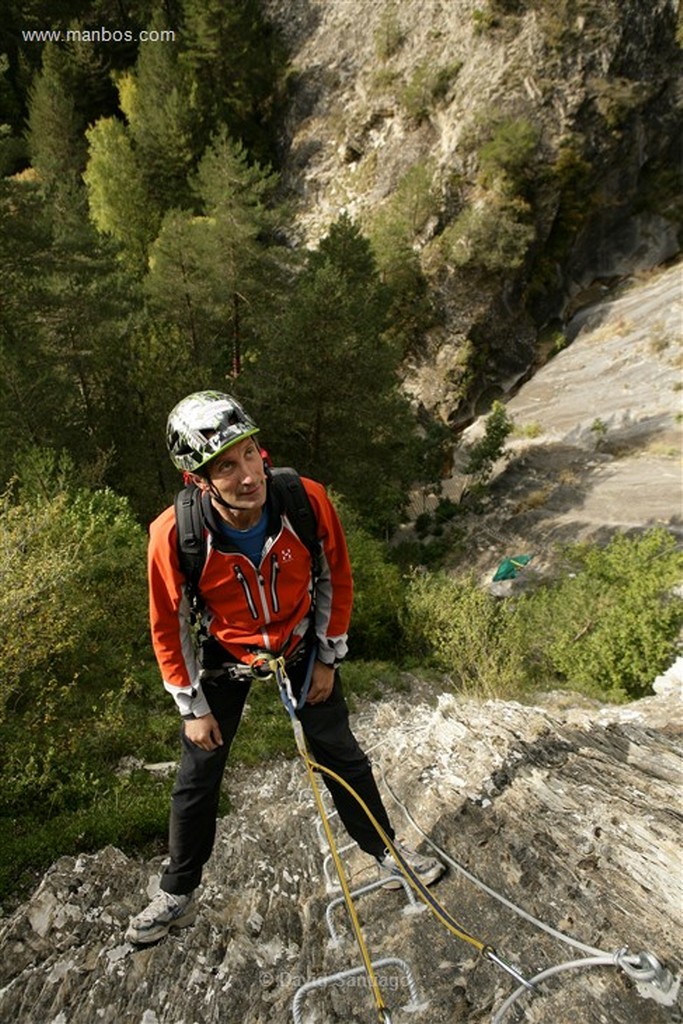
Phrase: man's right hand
{"type": "Point", "coordinates": [204, 732]}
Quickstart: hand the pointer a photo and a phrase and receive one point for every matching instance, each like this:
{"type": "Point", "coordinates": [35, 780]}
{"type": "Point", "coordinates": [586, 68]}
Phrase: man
{"type": "Point", "coordinates": [256, 592]}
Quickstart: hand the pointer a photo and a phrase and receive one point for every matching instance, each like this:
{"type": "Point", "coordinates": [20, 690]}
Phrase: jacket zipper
{"type": "Point", "coordinates": [247, 591]}
{"type": "Point", "coordinates": [274, 573]}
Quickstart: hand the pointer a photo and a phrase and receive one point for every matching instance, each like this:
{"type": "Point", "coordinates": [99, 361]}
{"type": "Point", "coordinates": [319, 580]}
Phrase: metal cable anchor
{"type": "Point", "coordinates": [490, 954]}
{"type": "Point", "coordinates": [649, 971]}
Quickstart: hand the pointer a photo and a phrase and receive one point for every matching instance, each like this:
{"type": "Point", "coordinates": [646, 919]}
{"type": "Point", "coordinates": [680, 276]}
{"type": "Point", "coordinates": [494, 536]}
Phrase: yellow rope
{"type": "Point", "coordinates": [277, 665]}
{"type": "Point", "coordinates": [348, 899]}
{"type": "Point", "coordinates": [436, 908]}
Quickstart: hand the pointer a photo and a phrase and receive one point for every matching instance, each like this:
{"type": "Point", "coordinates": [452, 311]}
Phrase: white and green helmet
{"type": "Point", "coordinates": [203, 425]}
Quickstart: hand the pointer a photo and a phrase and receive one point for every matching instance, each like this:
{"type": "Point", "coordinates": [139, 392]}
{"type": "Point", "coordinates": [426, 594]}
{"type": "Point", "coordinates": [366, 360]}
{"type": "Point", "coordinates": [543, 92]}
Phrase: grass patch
{"type": "Point", "coordinates": [265, 731]}
{"type": "Point", "coordinates": [662, 450]}
{"type": "Point", "coordinates": [371, 680]}
{"type": "Point", "coordinates": [568, 478]}
{"type": "Point", "coordinates": [530, 430]}
{"type": "Point", "coordinates": [132, 814]}
{"type": "Point", "coordinates": [660, 339]}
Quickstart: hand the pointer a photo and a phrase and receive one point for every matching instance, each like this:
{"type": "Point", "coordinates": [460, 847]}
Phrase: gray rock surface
{"type": "Point", "coordinates": [597, 440]}
{"type": "Point", "coordinates": [571, 812]}
{"type": "Point", "coordinates": [602, 83]}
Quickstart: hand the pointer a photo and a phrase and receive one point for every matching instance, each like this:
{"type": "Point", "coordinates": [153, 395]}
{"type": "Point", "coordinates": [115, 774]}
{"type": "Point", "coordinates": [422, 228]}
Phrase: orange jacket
{"type": "Point", "coordinates": [248, 608]}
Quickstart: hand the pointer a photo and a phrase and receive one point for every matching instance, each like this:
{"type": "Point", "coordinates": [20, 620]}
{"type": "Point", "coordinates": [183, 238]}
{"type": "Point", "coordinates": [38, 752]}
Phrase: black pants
{"type": "Point", "coordinates": [194, 800]}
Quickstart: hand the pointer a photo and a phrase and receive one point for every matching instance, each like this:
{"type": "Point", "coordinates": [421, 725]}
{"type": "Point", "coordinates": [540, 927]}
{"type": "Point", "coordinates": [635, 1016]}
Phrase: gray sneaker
{"type": "Point", "coordinates": [427, 869]}
{"type": "Point", "coordinates": [166, 911]}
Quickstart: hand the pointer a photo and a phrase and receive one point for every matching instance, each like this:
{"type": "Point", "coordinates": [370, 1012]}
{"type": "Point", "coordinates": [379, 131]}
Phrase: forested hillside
{"type": "Point", "coordinates": [189, 199]}
{"type": "Point", "coordinates": [144, 256]}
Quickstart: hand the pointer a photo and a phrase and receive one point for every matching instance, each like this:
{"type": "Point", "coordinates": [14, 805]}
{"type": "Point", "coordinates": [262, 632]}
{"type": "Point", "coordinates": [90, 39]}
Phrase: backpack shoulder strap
{"type": "Point", "coordinates": [293, 499]}
{"type": "Point", "coordinates": [191, 539]}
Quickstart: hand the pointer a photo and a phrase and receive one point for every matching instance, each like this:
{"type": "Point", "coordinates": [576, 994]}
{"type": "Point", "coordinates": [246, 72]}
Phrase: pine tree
{"type": "Point", "coordinates": [209, 274]}
{"type": "Point", "coordinates": [12, 146]}
{"type": "Point", "coordinates": [120, 205]}
{"type": "Point", "coordinates": [180, 285]}
{"type": "Point", "coordinates": [236, 62]}
{"type": "Point", "coordinates": [155, 98]}
{"type": "Point", "coordinates": [55, 141]}
{"type": "Point", "coordinates": [65, 308]}
{"type": "Point", "coordinates": [325, 382]}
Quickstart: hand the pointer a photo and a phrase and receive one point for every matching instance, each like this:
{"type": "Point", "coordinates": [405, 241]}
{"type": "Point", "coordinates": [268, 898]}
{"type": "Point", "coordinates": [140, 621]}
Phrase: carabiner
{"type": "Point", "coordinates": [263, 666]}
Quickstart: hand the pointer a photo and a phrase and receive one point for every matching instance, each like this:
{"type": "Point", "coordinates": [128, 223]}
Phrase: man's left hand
{"type": "Point", "coordinates": [322, 681]}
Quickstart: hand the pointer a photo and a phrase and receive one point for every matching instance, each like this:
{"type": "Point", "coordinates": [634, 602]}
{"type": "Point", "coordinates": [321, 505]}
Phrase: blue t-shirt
{"type": "Point", "coordinates": [250, 542]}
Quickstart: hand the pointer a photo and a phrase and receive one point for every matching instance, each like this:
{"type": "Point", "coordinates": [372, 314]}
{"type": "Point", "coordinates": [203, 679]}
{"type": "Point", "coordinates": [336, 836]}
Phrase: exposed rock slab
{"type": "Point", "coordinates": [597, 442]}
{"type": "Point", "coordinates": [571, 812]}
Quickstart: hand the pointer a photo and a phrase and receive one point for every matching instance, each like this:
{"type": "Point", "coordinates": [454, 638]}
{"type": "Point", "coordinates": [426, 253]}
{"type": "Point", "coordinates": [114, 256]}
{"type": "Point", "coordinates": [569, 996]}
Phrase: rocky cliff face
{"type": "Point", "coordinates": [596, 445]}
{"type": "Point", "coordinates": [380, 89]}
{"type": "Point", "coordinates": [571, 813]}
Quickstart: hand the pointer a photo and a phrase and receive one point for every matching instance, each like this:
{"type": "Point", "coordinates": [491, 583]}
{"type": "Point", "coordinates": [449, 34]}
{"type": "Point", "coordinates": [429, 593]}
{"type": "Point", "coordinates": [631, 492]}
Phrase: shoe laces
{"type": "Point", "coordinates": [161, 901]}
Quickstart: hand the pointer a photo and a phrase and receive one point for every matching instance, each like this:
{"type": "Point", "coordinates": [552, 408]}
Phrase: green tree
{"type": "Point", "coordinates": [393, 231]}
{"type": "Point", "coordinates": [506, 161]}
{"type": "Point", "coordinates": [156, 100]}
{"type": "Point", "coordinates": [209, 273]}
{"type": "Point", "coordinates": [66, 307]}
{"type": "Point", "coordinates": [12, 146]}
{"type": "Point", "coordinates": [55, 129]}
{"type": "Point", "coordinates": [483, 454]}
{"type": "Point", "coordinates": [236, 62]}
{"type": "Point", "coordinates": [120, 205]}
{"type": "Point", "coordinates": [324, 381]}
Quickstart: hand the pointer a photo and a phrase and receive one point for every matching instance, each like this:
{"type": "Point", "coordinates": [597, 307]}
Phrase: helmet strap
{"type": "Point", "coordinates": [219, 499]}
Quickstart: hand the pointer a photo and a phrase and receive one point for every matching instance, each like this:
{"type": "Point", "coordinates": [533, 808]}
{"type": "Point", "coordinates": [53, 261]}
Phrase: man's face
{"type": "Point", "coordinates": [238, 475]}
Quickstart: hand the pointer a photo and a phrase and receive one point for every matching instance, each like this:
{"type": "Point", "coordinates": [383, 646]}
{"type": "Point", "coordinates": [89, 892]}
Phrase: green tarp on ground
{"type": "Point", "coordinates": [509, 568]}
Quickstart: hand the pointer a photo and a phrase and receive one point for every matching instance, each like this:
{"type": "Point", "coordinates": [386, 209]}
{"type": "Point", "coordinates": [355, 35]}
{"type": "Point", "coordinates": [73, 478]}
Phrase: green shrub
{"type": "Point", "coordinates": [79, 686]}
{"type": "Point", "coordinates": [483, 20]}
{"type": "Point", "coordinates": [389, 35]}
{"type": "Point", "coordinates": [429, 553]}
{"type": "Point", "coordinates": [493, 235]}
{"type": "Point", "coordinates": [73, 591]}
{"type": "Point", "coordinates": [606, 628]}
{"type": "Point", "coordinates": [446, 510]}
{"type": "Point", "coordinates": [611, 625]}
{"type": "Point", "coordinates": [458, 627]}
{"type": "Point", "coordinates": [378, 592]}
{"type": "Point", "coordinates": [507, 160]}
{"type": "Point", "coordinates": [426, 87]}
{"type": "Point", "coordinates": [423, 523]}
